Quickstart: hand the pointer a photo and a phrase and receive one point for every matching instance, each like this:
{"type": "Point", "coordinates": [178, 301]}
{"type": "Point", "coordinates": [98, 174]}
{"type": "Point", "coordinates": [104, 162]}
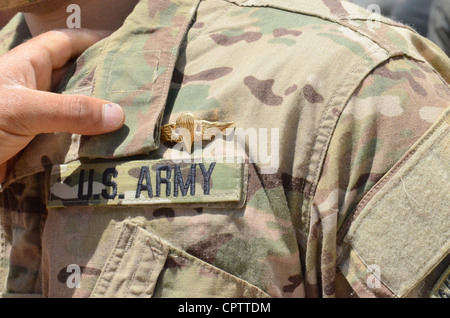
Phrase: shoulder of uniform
{"type": "Point", "coordinates": [362, 25]}
{"type": "Point", "coordinates": [333, 10]}
{"type": "Point", "coordinates": [394, 37]}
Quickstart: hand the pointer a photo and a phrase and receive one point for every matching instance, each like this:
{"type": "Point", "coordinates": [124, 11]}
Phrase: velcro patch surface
{"type": "Point", "coordinates": [403, 229]}
{"type": "Point", "coordinates": [148, 182]}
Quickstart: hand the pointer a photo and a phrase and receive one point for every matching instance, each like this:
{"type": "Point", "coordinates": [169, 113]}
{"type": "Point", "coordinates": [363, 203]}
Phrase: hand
{"type": "Point", "coordinates": [27, 73]}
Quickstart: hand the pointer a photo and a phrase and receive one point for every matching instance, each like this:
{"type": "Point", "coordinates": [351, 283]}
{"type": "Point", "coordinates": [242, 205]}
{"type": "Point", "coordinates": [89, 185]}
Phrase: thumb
{"type": "Point", "coordinates": [77, 114]}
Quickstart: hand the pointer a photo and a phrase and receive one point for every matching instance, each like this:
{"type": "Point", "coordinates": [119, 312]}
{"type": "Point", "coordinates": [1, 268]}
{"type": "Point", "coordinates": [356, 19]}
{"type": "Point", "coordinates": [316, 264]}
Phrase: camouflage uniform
{"type": "Point", "coordinates": [357, 207]}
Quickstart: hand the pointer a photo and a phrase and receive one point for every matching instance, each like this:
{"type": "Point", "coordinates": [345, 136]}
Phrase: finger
{"type": "Point", "coordinates": [51, 51]}
{"type": "Point", "coordinates": [65, 44]}
{"type": "Point", "coordinates": [49, 112]}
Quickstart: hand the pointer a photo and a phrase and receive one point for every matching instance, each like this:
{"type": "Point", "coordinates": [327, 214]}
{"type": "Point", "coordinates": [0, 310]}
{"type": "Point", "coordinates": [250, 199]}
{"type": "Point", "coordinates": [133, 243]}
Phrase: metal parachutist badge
{"type": "Point", "coordinates": [188, 129]}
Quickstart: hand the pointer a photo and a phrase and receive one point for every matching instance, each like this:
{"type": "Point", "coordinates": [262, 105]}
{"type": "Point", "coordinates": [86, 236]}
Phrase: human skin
{"type": "Point", "coordinates": [27, 108]}
{"type": "Point", "coordinates": [35, 67]}
{"type": "Point", "coordinates": [97, 15]}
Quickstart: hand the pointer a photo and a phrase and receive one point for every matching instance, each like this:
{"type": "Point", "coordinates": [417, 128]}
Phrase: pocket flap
{"type": "Point", "coordinates": [141, 264]}
{"type": "Point", "coordinates": [133, 266]}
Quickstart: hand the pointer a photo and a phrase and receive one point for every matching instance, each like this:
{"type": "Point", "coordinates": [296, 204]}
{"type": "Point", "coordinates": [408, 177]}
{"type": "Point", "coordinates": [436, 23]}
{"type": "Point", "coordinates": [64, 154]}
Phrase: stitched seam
{"type": "Point", "coordinates": [406, 173]}
{"type": "Point", "coordinates": [233, 195]}
{"type": "Point", "coordinates": [425, 262]}
{"type": "Point", "coordinates": [340, 19]}
{"type": "Point", "coordinates": [152, 259]}
{"type": "Point", "coordinates": [363, 283]}
{"type": "Point", "coordinates": [388, 176]}
{"type": "Point", "coordinates": [319, 131]}
{"type": "Point", "coordinates": [130, 281]}
{"type": "Point", "coordinates": [101, 57]}
{"type": "Point", "coordinates": [105, 282]}
{"type": "Point", "coordinates": [170, 68]}
{"type": "Point", "coordinates": [236, 189]}
{"type": "Point", "coordinates": [198, 263]}
{"type": "Point", "coordinates": [228, 277]}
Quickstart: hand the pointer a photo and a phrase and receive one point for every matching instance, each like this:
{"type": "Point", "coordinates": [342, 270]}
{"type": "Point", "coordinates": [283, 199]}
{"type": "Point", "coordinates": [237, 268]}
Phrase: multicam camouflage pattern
{"type": "Point", "coordinates": [349, 100]}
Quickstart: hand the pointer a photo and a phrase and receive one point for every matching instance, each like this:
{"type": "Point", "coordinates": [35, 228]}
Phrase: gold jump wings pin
{"type": "Point", "coordinates": [188, 129]}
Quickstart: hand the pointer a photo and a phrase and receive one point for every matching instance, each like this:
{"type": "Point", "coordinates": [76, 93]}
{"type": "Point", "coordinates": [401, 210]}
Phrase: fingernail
{"type": "Point", "coordinates": [112, 115]}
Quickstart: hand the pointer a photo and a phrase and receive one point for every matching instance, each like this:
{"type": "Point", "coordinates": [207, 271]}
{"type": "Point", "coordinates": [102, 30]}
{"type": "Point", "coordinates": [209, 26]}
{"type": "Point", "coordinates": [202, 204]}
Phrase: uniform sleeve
{"type": "Point", "coordinates": [386, 159]}
{"type": "Point", "coordinates": [439, 24]}
{"type": "Point", "coordinates": [22, 216]}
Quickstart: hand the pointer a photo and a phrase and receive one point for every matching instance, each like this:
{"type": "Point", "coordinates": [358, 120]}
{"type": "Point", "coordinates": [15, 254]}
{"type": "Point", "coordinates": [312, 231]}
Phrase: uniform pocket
{"type": "Point", "coordinates": [133, 266]}
{"type": "Point", "coordinates": [141, 264]}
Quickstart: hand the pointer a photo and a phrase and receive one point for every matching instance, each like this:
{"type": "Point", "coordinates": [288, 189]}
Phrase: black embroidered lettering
{"type": "Point", "coordinates": [207, 176]}
{"type": "Point", "coordinates": [108, 183]}
{"type": "Point", "coordinates": [179, 182]}
{"type": "Point", "coordinates": [165, 180]}
{"type": "Point", "coordinates": [81, 195]}
{"type": "Point", "coordinates": [144, 175]}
